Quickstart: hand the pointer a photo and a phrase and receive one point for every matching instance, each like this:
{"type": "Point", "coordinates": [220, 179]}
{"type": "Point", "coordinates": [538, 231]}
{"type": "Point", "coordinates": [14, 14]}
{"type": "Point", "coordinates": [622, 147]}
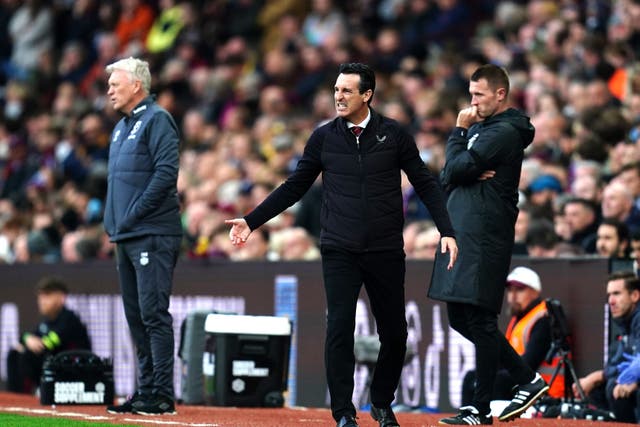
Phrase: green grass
{"type": "Point", "coordinates": [10, 420]}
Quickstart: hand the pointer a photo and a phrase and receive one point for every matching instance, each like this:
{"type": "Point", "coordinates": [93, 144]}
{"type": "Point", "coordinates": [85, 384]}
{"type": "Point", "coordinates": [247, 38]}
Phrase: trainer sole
{"type": "Point", "coordinates": [515, 414]}
{"type": "Point", "coordinates": [155, 413]}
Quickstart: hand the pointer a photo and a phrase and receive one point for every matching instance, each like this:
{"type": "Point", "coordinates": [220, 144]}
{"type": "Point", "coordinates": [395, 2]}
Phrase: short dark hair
{"type": "Point", "coordinates": [588, 204]}
{"type": "Point", "coordinates": [622, 230]}
{"type": "Point", "coordinates": [631, 281]}
{"type": "Point", "coordinates": [634, 166]}
{"type": "Point", "coordinates": [367, 76]}
{"type": "Point", "coordinates": [50, 284]}
{"type": "Point", "coordinates": [496, 77]}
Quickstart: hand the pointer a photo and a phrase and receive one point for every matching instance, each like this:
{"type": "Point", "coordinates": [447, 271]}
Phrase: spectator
{"type": "Point", "coordinates": [542, 240]}
{"type": "Point", "coordinates": [255, 248]}
{"type": "Point", "coordinates": [135, 21]}
{"type": "Point", "coordinates": [60, 329]}
{"type": "Point", "coordinates": [618, 203]}
{"type": "Point", "coordinates": [634, 244]}
{"type": "Point", "coordinates": [31, 31]}
{"type": "Point", "coordinates": [629, 174]}
{"type": "Point", "coordinates": [522, 226]}
{"type": "Point", "coordinates": [623, 294]}
{"type": "Point", "coordinates": [295, 243]}
{"type": "Point", "coordinates": [426, 244]}
{"type": "Point", "coordinates": [581, 216]}
{"type": "Point", "coordinates": [613, 239]}
{"type": "Point", "coordinates": [325, 25]}
{"type": "Point", "coordinates": [528, 332]}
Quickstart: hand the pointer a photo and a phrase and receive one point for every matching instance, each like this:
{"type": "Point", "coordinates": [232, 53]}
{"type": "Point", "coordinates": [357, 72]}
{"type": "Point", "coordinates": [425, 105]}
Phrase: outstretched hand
{"type": "Point", "coordinates": [239, 230]}
{"type": "Point", "coordinates": [448, 244]}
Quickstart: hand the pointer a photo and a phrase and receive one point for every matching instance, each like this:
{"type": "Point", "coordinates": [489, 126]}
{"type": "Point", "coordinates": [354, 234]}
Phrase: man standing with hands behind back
{"type": "Point", "coordinates": [360, 155]}
{"type": "Point", "coordinates": [482, 170]}
{"type": "Point", "coordinates": [142, 216]}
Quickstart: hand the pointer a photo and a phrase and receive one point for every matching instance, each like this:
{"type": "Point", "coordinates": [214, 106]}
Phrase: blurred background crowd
{"type": "Point", "coordinates": [248, 81]}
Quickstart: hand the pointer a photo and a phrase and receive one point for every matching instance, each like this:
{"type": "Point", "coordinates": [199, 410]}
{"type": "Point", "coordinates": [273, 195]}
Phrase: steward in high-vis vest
{"type": "Point", "coordinates": [519, 336]}
{"type": "Point", "coordinates": [528, 332]}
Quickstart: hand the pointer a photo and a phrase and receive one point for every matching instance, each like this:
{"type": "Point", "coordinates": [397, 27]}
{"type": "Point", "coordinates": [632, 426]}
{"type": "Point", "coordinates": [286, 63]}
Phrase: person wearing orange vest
{"type": "Point", "coordinates": [528, 332]}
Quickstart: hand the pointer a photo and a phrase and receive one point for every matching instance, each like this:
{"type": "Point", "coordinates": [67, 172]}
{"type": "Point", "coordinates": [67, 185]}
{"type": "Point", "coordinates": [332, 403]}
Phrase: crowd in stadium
{"type": "Point", "coordinates": [247, 81]}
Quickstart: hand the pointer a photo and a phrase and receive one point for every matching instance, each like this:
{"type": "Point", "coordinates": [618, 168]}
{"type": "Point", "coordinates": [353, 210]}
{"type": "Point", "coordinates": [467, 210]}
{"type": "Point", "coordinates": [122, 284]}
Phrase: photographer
{"type": "Point", "coordinates": [60, 329]}
{"type": "Point", "coordinates": [528, 332]}
{"type": "Point", "coordinates": [602, 386]}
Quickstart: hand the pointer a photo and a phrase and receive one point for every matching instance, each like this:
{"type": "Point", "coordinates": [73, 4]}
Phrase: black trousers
{"type": "Point", "coordinates": [625, 409]}
{"type": "Point", "coordinates": [24, 369]}
{"type": "Point", "coordinates": [502, 387]}
{"type": "Point", "coordinates": [145, 269]}
{"type": "Point", "coordinates": [480, 326]}
{"type": "Point", "coordinates": [382, 274]}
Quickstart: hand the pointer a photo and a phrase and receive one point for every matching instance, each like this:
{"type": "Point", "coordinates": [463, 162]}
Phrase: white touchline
{"type": "Point", "coordinates": [100, 417]}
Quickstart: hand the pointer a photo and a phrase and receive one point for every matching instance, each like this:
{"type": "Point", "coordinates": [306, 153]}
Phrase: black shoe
{"type": "Point", "coordinates": [526, 395]}
{"type": "Point", "coordinates": [468, 416]}
{"type": "Point", "coordinates": [157, 405]}
{"type": "Point", "coordinates": [384, 416]}
{"type": "Point", "coordinates": [134, 401]}
{"type": "Point", "coordinates": [347, 421]}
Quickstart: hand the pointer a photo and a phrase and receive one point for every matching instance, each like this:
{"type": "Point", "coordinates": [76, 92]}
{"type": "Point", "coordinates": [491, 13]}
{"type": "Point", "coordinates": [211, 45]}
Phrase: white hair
{"type": "Point", "coordinates": [137, 68]}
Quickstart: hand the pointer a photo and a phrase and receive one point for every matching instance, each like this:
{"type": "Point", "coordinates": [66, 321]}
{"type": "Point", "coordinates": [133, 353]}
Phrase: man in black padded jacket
{"type": "Point", "coordinates": [361, 155]}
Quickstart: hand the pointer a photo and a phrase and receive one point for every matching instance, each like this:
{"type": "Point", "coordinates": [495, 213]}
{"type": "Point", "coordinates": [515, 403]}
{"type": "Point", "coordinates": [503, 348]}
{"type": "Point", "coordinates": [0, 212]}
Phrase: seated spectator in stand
{"type": "Point", "coordinates": [543, 191]}
{"type": "Point", "coordinates": [587, 187]}
{"type": "Point", "coordinates": [629, 174]}
{"type": "Point", "coordinates": [528, 332]}
{"type": "Point", "coordinates": [425, 244]}
{"type": "Point", "coordinates": [541, 240]}
{"type": "Point", "coordinates": [294, 244]}
{"type": "Point", "coordinates": [635, 251]}
{"type": "Point", "coordinates": [613, 239]}
{"type": "Point", "coordinates": [520, 236]}
{"type": "Point", "coordinates": [582, 218]}
{"type": "Point", "coordinates": [60, 329]}
{"type": "Point", "coordinates": [255, 248]}
{"type": "Point", "coordinates": [618, 203]}
{"type": "Point", "coordinates": [623, 294]}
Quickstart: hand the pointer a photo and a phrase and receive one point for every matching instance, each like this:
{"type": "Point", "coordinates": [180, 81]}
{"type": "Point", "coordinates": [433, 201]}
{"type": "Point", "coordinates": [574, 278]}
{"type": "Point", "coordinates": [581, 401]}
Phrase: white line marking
{"type": "Point", "coordinates": [99, 417]}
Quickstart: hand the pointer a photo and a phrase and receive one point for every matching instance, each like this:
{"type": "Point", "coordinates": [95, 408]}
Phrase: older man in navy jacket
{"type": "Point", "coordinates": [142, 216]}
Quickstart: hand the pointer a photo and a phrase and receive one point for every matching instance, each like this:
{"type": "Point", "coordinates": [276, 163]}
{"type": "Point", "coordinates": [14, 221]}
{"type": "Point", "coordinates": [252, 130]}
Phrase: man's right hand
{"type": "Point", "coordinates": [588, 383]}
{"type": "Point", "coordinates": [467, 117]}
{"type": "Point", "coordinates": [239, 230]}
{"type": "Point", "coordinates": [488, 174]}
{"type": "Point", "coordinates": [34, 343]}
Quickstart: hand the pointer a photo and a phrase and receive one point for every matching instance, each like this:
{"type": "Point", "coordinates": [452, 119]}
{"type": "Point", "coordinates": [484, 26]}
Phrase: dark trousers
{"type": "Point", "coordinates": [625, 409]}
{"type": "Point", "coordinates": [145, 269]}
{"type": "Point", "coordinates": [480, 326]}
{"type": "Point", "coordinates": [502, 387]}
{"type": "Point", "coordinates": [382, 274]}
{"type": "Point", "coordinates": [24, 369]}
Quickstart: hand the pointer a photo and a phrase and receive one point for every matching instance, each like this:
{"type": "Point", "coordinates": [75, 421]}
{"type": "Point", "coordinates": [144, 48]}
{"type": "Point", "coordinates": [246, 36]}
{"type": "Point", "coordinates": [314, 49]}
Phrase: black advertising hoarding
{"type": "Point", "coordinates": [438, 358]}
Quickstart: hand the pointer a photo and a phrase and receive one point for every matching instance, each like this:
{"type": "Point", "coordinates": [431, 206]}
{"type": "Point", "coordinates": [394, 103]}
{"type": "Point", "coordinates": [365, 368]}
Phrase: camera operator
{"type": "Point", "coordinates": [602, 387]}
{"type": "Point", "coordinates": [528, 332]}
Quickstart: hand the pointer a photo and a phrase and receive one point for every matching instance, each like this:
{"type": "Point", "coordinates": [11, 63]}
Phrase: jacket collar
{"type": "Point", "coordinates": [141, 107]}
{"type": "Point", "coordinates": [372, 121]}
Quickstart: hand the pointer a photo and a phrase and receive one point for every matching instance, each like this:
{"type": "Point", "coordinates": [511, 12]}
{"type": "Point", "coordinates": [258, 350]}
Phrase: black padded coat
{"type": "Point", "coordinates": [484, 212]}
{"type": "Point", "coordinates": [361, 198]}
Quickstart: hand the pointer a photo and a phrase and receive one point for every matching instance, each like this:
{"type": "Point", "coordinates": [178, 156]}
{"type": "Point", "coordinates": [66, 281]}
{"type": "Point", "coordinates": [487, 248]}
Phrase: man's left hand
{"type": "Point", "coordinates": [448, 244]}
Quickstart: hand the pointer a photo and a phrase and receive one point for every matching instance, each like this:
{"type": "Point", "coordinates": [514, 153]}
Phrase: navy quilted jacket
{"type": "Point", "coordinates": [142, 196]}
